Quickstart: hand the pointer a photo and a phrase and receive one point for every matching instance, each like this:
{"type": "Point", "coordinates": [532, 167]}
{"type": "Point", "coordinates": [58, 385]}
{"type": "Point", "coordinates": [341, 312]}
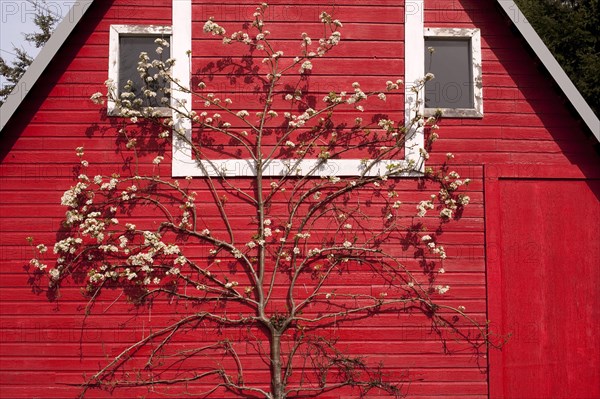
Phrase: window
{"type": "Point", "coordinates": [184, 163]}
{"type": "Point", "coordinates": [126, 44]}
{"type": "Point", "coordinates": [454, 57]}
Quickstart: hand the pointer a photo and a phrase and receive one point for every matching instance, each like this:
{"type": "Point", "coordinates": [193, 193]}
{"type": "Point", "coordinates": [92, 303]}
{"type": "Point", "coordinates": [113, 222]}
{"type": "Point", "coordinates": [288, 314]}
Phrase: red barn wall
{"type": "Point", "coordinates": [43, 347]}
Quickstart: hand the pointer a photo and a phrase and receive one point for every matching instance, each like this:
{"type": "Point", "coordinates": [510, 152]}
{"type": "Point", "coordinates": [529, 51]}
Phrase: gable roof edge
{"type": "Point", "coordinates": [584, 110]}
{"type": "Point", "coordinates": [41, 62]}
{"type": "Point", "coordinates": [509, 7]}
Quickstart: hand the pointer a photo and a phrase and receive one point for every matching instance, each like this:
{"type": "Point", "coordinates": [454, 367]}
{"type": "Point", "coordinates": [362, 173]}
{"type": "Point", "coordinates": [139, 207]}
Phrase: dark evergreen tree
{"type": "Point", "coordinates": [571, 30]}
{"type": "Point", "coordinates": [45, 22]}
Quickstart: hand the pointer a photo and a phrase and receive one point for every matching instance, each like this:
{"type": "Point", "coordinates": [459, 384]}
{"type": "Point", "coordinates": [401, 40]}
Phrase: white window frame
{"type": "Point", "coordinates": [474, 36]}
{"type": "Point", "coordinates": [117, 31]}
{"type": "Point", "coordinates": [184, 165]}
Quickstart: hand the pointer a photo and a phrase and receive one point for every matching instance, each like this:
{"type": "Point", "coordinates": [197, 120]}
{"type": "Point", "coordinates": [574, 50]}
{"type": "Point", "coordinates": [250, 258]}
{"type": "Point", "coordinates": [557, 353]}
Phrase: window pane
{"type": "Point", "coordinates": [451, 63]}
{"type": "Point", "coordinates": [130, 48]}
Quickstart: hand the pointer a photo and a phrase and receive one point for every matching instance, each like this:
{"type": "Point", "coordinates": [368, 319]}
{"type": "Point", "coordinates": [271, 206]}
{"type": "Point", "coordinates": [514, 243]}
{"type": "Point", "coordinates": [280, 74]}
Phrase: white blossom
{"type": "Point", "coordinates": [67, 245]}
{"type": "Point", "coordinates": [213, 28]}
{"type": "Point", "coordinates": [70, 197]}
{"type": "Point", "coordinates": [36, 263]}
{"type": "Point", "coordinates": [97, 98]}
{"type": "Point", "coordinates": [442, 289]}
{"type": "Point", "coordinates": [237, 254]}
{"type": "Point", "coordinates": [446, 213]}
{"type": "Point", "coordinates": [314, 251]}
{"type": "Point", "coordinates": [306, 66]}
{"type": "Point", "coordinates": [54, 274]}
{"type": "Point", "coordinates": [423, 207]}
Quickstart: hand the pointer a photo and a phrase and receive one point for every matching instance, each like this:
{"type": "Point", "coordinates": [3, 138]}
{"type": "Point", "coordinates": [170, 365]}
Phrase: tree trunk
{"type": "Point", "coordinates": [277, 388]}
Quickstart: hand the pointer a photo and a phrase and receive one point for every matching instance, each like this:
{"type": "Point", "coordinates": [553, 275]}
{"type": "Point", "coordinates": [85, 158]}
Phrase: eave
{"type": "Point", "coordinates": [27, 82]}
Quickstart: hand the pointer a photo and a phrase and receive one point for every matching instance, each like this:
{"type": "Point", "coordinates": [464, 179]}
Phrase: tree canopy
{"type": "Point", "coordinates": [13, 71]}
{"type": "Point", "coordinates": [571, 30]}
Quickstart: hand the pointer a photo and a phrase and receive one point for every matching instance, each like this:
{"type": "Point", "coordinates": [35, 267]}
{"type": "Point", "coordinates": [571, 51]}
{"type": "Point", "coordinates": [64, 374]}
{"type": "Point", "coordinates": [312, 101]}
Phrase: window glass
{"type": "Point", "coordinates": [130, 48]}
{"type": "Point", "coordinates": [451, 63]}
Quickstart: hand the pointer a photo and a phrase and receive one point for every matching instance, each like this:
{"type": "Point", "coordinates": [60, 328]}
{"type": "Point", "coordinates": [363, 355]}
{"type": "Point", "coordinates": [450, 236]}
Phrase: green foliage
{"type": "Point", "coordinates": [13, 73]}
{"type": "Point", "coordinates": [45, 22]}
{"type": "Point", "coordinates": [571, 30]}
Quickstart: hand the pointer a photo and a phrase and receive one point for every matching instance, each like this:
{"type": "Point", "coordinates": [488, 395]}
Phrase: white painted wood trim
{"type": "Point", "coordinates": [181, 48]}
{"type": "Point", "coordinates": [116, 31]}
{"type": "Point", "coordinates": [291, 167]}
{"type": "Point", "coordinates": [184, 165]}
{"type": "Point", "coordinates": [474, 35]}
{"type": "Point", "coordinates": [414, 61]}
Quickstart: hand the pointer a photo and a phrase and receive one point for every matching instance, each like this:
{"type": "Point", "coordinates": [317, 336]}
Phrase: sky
{"type": "Point", "coordinates": [16, 18]}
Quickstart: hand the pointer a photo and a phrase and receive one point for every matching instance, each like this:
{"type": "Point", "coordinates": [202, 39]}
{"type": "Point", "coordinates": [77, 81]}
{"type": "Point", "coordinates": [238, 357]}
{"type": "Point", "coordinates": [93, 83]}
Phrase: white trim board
{"type": "Point", "coordinates": [292, 167]}
{"type": "Point", "coordinates": [414, 14]}
{"type": "Point", "coordinates": [184, 165]}
{"type": "Point", "coordinates": [180, 47]}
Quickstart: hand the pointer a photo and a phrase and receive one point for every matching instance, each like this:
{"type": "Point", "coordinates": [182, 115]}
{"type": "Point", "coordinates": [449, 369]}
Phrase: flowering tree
{"type": "Point", "coordinates": [262, 259]}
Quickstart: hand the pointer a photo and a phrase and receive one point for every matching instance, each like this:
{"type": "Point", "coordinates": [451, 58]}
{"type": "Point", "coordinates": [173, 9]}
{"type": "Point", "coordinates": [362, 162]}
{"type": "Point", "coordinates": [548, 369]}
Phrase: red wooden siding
{"type": "Point", "coordinates": [41, 342]}
{"type": "Point", "coordinates": [543, 275]}
{"type": "Point", "coordinates": [550, 280]}
{"type": "Point", "coordinates": [524, 121]}
{"type": "Point", "coordinates": [42, 345]}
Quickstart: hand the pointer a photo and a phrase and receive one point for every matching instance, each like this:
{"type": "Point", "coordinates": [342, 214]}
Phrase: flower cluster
{"type": "Point", "coordinates": [447, 196]}
{"type": "Point", "coordinates": [212, 27]}
{"type": "Point", "coordinates": [434, 248]}
{"type": "Point", "coordinates": [423, 207]}
{"type": "Point", "coordinates": [300, 120]}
